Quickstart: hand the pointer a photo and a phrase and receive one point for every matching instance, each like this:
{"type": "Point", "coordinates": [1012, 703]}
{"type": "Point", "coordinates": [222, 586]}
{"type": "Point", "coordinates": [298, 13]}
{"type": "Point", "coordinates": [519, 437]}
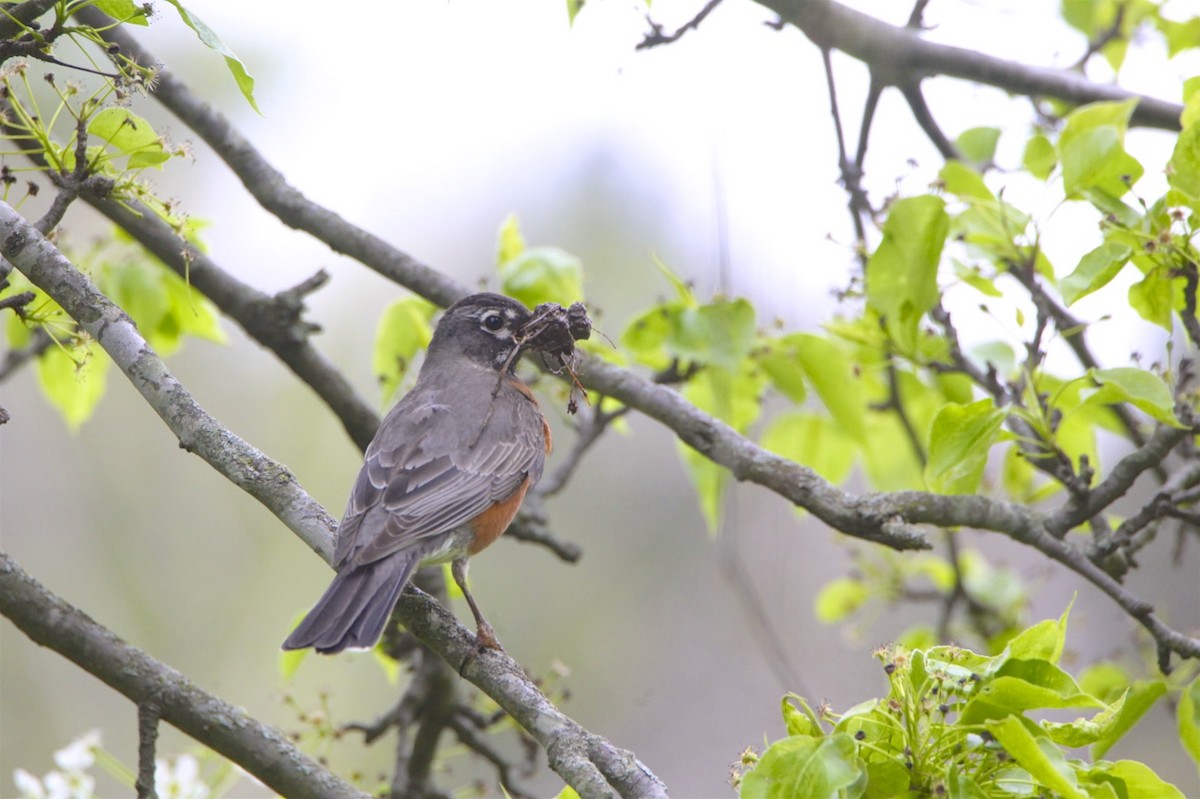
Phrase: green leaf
{"type": "Point", "coordinates": [510, 243]}
{"type": "Point", "coordinates": [1038, 755]}
{"type": "Point", "coordinates": [995, 354]}
{"type": "Point", "coordinates": [1095, 270]}
{"type": "Point", "coordinates": [1128, 710]}
{"type": "Point", "coordinates": [387, 664]}
{"type": "Point", "coordinates": [1027, 685]}
{"type": "Point", "coordinates": [838, 599]}
{"type": "Point", "coordinates": [959, 443]}
{"type": "Point", "coordinates": [573, 9]}
{"type": "Point", "coordinates": [902, 272]}
{"type": "Point", "coordinates": [1183, 171]}
{"type": "Point", "coordinates": [732, 398]}
{"type": "Point", "coordinates": [131, 135]}
{"type": "Point", "coordinates": [1187, 716]}
{"type": "Point", "coordinates": [402, 332]}
{"type": "Point", "coordinates": [138, 287]}
{"type": "Point", "coordinates": [1043, 641]}
{"type": "Point", "coordinates": [123, 11]}
{"type": "Point", "coordinates": [991, 226]}
{"type": "Point", "coordinates": [1089, 17]}
{"type": "Point", "coordinates": [74, 382]}
{"type": "Point", "coordinates": [963, 181]}
{"type": "Point", "coordinates": [680, 285]}
{"type": "Point", "coordinates": [1039, 158]}
{"type": "Point", "coordinates": [955, 387]}
{"type": "Point", "coordinates": [720, 333]}
{"type": "Point", "coordinates": [978, 145]}
{"type": "Point", "coordinates": [1144, 390]}
{"type": "Point", "coordinates": [832, 375]}
{"type": "Point", "coordinates": [888, 457]}
{"type": "Point", "coordinates": [1105, 680]}
{"type": "Point", "coordinates": [209, 38]}
{"type": "Point", "coordinates": [543, 274]}
{"type": "Point", "coordinates": [1136, 780]}
{"type": "Point", "coordinates": [1092, 149]}
{"type": "Point", "coordinates": [814, 441]}
{"type": "Point", "coordinates": [802, 766]}
{"type": "Point", "coordinates": [1017, 476]}
{"type": "Point", "coordinates": [1180, 36]}
{"type": "Point", "coordinates": [189, 312]}
{"type": "Point", "coordinates": [1191, 110]}
{"type": "Point", "coordinates": [289, 662]}
{"type": "Point", "coordinates": [646, 336]}
{"type": "Point", "coordinates": [1155, 296]}
{"type": "Point", "coordinates": [780, 359]}
{"type": "Point", "coordinates": [709, 480]}
{"type": "Point", "coordinates": [936, 569]}
{"type": "Point", "coordinates": [972, 277]}
{"type": "Point", "coordinates": [961, 786]}
{"type": "Point", "coordinates": [800, 720]}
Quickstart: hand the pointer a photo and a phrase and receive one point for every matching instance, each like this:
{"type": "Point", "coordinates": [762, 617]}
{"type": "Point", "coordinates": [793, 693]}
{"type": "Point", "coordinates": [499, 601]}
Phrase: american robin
{"type": "Point", "coordinates": [443, 478]}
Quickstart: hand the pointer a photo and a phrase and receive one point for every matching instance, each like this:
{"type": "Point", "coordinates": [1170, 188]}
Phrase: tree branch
{"type": "Point", "coordinates": [583, 759]}
{"type": "Point", "coordinates": [198, 432]}
{"type": "Point", "coordinates": [262, 750]}
{"type": "Point", "coordinates": [889, 51]}
{"type": "Point", "coordinates": [13, 20]}
{"type": "Point", "coordinates": [268, 186]}
{"type": "Point", "coordinates": [1118, 481]}
{"type": "Point", "coordinates": [903, 54]}
{"type": "Point", "coordinates": [148, 716]}
{"type": "Point", "coordinates": [273, 321]}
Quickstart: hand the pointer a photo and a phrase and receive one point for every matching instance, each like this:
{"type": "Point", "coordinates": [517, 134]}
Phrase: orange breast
{"type": "Point", "coordinates": [492, 523]}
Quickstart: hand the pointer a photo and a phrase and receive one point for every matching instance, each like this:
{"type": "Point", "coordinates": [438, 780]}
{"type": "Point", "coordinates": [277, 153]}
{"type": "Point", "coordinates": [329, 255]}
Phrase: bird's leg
{"type": "Point", "coordinates": [485, 636]}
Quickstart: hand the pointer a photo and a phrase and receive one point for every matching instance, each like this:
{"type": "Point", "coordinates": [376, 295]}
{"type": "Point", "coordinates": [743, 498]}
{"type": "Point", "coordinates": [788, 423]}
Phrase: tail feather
{"type": "Point", "coordinates": [355, 608]}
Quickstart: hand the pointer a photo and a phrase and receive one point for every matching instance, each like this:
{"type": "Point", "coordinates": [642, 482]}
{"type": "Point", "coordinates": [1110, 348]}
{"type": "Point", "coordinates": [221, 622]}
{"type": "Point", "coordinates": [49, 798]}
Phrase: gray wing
{"type": "Point", "coordinates": [425, 473]}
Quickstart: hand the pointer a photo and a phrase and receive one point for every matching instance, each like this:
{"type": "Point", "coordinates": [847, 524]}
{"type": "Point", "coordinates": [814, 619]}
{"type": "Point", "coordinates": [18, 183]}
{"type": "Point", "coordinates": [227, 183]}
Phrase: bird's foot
{"type": "Point", "coordinates": [485, 639]}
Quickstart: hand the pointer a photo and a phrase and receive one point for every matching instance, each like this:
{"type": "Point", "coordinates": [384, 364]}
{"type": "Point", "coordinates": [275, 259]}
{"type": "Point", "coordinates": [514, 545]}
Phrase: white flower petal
{"type": "Point", "coordinates": [79, 754]}
{"type": "Point", "coordinates": [29, 785]}
{"type": "Point", "coordinates": [57, 786]}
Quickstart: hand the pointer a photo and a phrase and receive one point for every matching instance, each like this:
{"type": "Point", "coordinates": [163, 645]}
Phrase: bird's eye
{"type": "Point", "coordinates": [493, 321]}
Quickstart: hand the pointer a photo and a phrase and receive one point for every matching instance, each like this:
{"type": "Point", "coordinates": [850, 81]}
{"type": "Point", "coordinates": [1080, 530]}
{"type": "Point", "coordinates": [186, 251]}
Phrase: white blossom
{"type": "Point", "coordinates": [79, 755]}
{"type": "Point", "coordinates": [182, 781]}
{"type": "Point", "coordinates": [29, 786]}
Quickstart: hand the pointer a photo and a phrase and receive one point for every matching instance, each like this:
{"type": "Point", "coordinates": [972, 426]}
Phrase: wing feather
{"type": "Point", "coordinates": [426, 473]}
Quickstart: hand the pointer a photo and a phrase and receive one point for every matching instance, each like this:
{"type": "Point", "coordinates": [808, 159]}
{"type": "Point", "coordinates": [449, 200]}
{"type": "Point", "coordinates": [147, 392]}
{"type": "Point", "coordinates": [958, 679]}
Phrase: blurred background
{"type": "Point", "coordinates": [428, 123]}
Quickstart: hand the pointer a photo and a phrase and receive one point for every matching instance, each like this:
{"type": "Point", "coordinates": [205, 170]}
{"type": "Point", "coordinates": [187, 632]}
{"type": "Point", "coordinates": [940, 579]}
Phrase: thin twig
{"type": "Point", "coordinates": [587, 433]}
{"type": "Point", "coordinates": [924, 117]}
{"type": "Point", "coordinates": [656, 36]}
{"type": "Point", "coordinates": [851, 172]}
{"type": "Point", "coordinates": [14, 359]}
{"type": "Point", "coordinates": [1105, 36]}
